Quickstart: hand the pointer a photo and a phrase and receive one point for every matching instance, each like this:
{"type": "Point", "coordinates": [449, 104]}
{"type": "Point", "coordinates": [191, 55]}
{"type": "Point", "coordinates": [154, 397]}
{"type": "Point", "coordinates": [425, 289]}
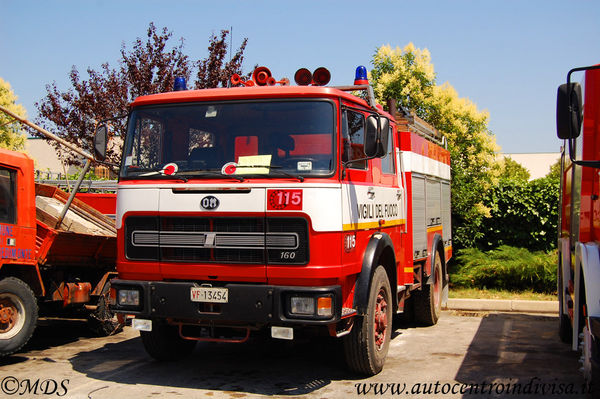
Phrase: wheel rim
{"type": "Point", "coordinates": [12, 315]}
{"type": "Point", "coordinates": [381, 319]}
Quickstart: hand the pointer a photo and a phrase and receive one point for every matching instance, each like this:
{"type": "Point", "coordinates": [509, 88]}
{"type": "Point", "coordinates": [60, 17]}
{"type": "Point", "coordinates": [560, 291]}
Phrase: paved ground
{"type": "Point", "coordinates": [516, 352]}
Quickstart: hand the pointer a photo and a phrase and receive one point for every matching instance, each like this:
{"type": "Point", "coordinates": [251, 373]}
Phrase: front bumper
{"type": "Point", "coordinates": [248, 304]}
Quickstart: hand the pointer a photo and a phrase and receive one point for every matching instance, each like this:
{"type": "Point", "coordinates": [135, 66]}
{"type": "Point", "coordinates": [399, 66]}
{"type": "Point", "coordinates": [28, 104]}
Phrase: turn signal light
{"type": "Point", "coordinates": [325, 306]}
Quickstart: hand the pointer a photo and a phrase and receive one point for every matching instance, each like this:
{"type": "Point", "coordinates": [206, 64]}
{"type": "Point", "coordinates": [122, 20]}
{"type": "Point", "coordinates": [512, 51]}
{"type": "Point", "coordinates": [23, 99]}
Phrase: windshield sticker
{"type": "Point", "coordinates": [253, 164]}
{"type": "Point", "coordinates": [169, 169]}
{"type": "Point", "coordinates": [229, 168]}
{"type": "Point", "coordinates": [304, 165]}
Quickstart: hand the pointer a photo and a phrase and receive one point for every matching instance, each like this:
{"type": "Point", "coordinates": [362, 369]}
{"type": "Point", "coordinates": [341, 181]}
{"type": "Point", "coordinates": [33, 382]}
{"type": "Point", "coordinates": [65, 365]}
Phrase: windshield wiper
{"type": "Point", "coordinates": [293, 176]}
{"type": "Point", "coordinates": [274, 168]}
{"type": "Point", "coordinates": [208, 172]}
{"type": "Point", "coordinates": [156, 177]}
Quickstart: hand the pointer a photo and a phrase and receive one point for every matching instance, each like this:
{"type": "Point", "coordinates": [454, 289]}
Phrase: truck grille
{"type": "Point", "coordinates": [217, 240]}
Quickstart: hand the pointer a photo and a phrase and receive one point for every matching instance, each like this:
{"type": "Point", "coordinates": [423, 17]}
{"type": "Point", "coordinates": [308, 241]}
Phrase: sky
{"type": "Point", "coordinates": [506, 56]}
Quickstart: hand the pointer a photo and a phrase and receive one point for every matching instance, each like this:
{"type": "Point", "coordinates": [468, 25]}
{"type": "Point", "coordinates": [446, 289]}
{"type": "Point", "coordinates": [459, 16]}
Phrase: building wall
{"type": "Point", "coordinates": [45, 157]}
{"type": "Point", "coordinates": [538, 164]}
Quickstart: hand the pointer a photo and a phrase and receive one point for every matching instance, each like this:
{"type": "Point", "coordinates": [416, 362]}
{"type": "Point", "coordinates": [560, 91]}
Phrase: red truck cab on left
{"type": "Point", "coordinates": [57, 268]}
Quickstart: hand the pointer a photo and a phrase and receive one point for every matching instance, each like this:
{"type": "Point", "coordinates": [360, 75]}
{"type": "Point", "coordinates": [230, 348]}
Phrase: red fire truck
{"type": "Point", "coordinates": [578, 123]}
{"type": "Point", "coordinates": [279, 207]}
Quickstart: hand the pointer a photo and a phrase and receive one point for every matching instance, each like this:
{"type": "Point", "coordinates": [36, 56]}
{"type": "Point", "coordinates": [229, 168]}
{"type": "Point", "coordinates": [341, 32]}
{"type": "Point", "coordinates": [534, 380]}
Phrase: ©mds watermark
{"type": "Point", "coordinates": [44, 387]}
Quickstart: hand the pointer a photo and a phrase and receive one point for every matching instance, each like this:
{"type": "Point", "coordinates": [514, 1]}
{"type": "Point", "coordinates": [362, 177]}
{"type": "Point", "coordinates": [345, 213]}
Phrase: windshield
{"type": "Point", "coordinates": [271, 139]}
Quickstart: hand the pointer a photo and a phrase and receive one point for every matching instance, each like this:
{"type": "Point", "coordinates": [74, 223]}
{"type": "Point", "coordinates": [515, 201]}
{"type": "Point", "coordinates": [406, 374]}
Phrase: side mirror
{"type": "Point", "coordinates": [384, 129]}
{"type": "Point", "coordinates": [376, 136]}
{"type": "Point", "coordinates": [100, 142]}
{"type": "Point", "coordinates": [371, 137]}
{"type": "Point", "coordinates": [568, 111]}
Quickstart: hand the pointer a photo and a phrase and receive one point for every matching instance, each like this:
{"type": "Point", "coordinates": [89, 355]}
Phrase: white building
{"type": "Point", "coordinates": [537, 163]}
{"type": "Point", "coordinates": [45, 157]}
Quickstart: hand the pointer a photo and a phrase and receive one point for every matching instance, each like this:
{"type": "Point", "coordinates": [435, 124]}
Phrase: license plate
{"type": "Point", "coordinates": [209, 294]}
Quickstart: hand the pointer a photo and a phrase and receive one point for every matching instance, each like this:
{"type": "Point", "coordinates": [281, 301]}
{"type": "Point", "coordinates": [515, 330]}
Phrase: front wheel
{"type": "Point", "coordinates": [367, 344]}
{"type": "Point", "coordinates": [18, 315]}
{"type": "Point", "coordinates": [164, 342]}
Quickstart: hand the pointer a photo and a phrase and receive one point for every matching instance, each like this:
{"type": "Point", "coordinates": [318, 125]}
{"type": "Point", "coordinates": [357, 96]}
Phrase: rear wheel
{"type": "Point", "coordinates": [164, 342]}
{"type": "Point", "coordinates": [367, 344]}
{"type": "Point", "coordinates": [18, 315]}
{"type": "Point", "coordinates": [428, 302]}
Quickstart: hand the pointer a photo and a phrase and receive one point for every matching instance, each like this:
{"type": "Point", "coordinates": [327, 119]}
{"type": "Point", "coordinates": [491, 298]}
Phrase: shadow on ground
{"type": "Point", "coordinates": [51, 333]}
{"type": "Point", "coordinates": [261, 366]}
{"type": "Point", "coordinates": [517, 352]}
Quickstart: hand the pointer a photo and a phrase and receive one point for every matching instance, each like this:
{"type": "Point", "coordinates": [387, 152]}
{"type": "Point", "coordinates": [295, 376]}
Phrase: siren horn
{"type": "Point", "coordinates": [303, 77]}
{"type": "Point", "coordinates": [272, 82]}
{"type": "Point", "coordinates": [236, 79]}
{"type": "Point", "coordinates": [321, 76]}
{"type": "Point", "coordinates": [261, 75]}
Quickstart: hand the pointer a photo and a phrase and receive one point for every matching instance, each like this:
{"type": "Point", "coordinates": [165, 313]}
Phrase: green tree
{"type": "Point", "coordinates": [554, 172]}
{"type": "Point", "coordinates": [11, 136]}
{"type": "Point", "coordinates": [512, 170]}
{"type": "Point", "coordinates": [408, 76]}
{"type": "Point", "coordinates": [521, 214]}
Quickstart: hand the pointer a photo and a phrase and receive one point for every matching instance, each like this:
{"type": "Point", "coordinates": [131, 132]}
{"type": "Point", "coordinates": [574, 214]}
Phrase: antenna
{"type": "Point", "coordinates": [230, 48]}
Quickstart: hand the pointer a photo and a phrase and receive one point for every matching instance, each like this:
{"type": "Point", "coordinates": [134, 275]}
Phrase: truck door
{"type": "Point", "coordinates": [17, 232]}
{"type": "Point", "coordinates": [372, 197]}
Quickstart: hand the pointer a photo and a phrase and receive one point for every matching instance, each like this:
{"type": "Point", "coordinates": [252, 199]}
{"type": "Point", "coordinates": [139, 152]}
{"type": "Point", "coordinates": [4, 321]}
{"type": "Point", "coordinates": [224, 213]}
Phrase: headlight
{"type": "Point", "coordinates": [128, 297]}
{"type": "Point", "coordinates": [302, 305]}
{"type": "Point", "coordinates": [319, 307]}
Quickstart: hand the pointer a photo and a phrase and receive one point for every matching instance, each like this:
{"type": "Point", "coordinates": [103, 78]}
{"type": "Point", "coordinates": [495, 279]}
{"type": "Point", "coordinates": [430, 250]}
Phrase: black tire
{"type": "Point", "coordinates": [593, 385]}
{"type": "Point", "coordinates": [164, 343]}
{"type": "Point", "coordinates": [366, 347]}
{"type": "Point", "coordinates": [428, 301]}
{"type": "Point", "coordinates": [18, 315]}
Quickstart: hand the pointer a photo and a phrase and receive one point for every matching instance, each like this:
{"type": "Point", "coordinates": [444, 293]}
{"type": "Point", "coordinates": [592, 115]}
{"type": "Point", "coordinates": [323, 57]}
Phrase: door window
{"type": "Point", "coordinates": [8, 210]}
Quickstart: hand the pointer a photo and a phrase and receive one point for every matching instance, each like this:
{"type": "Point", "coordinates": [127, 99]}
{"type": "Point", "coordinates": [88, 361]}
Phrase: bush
{"type": "Point", "coordinates": [523, 214]}
{"type": "Point", "coordinates": [506, 268]}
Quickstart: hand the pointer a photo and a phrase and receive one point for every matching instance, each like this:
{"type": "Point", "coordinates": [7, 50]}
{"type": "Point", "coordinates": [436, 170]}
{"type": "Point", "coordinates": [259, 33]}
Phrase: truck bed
{"type": "Point", "coordinates": [86, 237]}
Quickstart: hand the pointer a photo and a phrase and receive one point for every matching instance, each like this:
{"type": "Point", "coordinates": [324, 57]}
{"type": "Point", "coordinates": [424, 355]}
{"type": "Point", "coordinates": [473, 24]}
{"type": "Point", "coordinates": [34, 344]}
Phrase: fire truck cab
{"type": "Point", "coordinates": [279, 207]}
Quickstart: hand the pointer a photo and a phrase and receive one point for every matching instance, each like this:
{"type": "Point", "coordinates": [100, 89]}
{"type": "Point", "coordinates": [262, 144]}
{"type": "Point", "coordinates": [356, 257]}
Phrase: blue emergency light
{"type": "Point", "coordinates": [360, 78]}
{"type": "Point", "coordinates": [179, 84]}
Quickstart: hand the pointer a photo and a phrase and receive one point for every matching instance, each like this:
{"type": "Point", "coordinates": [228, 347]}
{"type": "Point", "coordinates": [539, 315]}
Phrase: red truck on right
{"type": "Point", "coordinates": [578, 124]}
